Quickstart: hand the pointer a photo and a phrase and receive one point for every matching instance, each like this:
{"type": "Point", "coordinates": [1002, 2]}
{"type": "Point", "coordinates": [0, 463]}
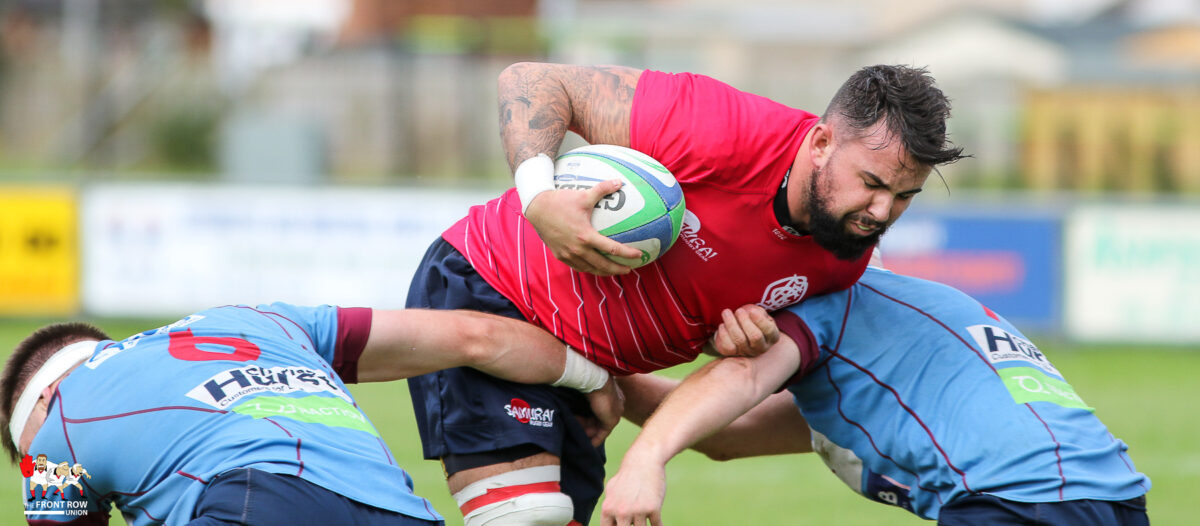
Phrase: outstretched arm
{"type": "Point", "coordinates": [708, 400]}
{"type": "Point", "coordinates": [773, 427]}
{"type": "Point", "coordinates": [411, 342]}
{"type": "Point", "coordinates": [539, 103]}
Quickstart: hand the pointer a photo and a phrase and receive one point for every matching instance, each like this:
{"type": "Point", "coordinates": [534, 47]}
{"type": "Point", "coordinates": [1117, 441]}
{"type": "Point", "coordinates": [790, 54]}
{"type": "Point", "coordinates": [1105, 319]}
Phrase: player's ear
{"type": "Point", "coordinates": [48, 392]}
{"type": "Point", "coordinates": [821, 146]}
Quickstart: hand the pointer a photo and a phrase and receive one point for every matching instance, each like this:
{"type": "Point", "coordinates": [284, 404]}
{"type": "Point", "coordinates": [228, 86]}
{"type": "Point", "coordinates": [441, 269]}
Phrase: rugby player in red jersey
{"type": "Point", "coordinates": [782, 204]}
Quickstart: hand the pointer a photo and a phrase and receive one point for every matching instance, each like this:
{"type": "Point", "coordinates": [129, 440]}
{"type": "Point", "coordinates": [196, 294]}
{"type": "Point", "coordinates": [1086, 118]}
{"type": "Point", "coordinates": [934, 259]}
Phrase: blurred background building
{"type": "Point", "coordinates": [1092, 95]}
{"type": "Point", "coordinates": [1060, 103]}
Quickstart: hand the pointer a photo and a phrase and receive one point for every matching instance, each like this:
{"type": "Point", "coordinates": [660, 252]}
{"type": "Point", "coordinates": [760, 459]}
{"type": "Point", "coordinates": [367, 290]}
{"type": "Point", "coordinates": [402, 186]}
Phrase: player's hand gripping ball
{"type": "Point", "coordinates": [646, 213]}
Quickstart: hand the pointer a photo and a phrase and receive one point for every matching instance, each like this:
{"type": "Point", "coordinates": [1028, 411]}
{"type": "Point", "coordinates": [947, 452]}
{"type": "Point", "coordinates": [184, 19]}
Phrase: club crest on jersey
{"type": "Point", "coordinates": [57, 478]}
{"type": "Point", "coordinates": [689, 232]}
{"type": "Point", "coordinates": [525, 414]}
{"type": "Point", "coordinates": [1002, 346]}
{"type": "Point", "coordinates": [784, 292]}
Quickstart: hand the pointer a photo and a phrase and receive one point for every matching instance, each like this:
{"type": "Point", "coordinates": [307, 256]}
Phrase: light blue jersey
{"type": "Point", "coordinates": [156, 416]}
{"type": "Point", "coordinates": [920, 395]}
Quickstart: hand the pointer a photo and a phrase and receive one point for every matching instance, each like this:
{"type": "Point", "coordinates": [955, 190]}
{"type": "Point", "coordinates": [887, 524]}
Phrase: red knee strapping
{"type": "Point", "coordinates": [508, 492]}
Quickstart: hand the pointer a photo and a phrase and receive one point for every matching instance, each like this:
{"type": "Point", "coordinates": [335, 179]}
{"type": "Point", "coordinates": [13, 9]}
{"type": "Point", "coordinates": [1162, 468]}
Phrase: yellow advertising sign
{"type": "Point", "coordinates": [39, 251]}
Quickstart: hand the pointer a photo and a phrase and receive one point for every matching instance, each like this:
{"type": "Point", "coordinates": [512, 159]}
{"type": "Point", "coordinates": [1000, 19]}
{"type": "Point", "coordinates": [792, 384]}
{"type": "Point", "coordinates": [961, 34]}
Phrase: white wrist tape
{"type": "Point", "coordinates": [581, 374]}
{"type": "Point", "coordinates": [533, 176]}
{"type": "Point", "coordinates": [59, 363]}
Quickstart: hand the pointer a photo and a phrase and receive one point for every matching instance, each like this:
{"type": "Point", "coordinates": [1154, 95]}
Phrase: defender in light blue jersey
{"type": "Point", "coordinates": [239, 414]}
{"type": "Point", "coordinates": [917, 396]}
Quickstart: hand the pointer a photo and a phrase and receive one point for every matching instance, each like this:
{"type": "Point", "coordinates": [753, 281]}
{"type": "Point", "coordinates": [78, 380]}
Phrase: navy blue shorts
{"type": "Point", "coordinates": [258, 498]}
{"type": "Point", "coordinates": [990, 510]}
{"type": "Point", "coordinates": [463, 411]}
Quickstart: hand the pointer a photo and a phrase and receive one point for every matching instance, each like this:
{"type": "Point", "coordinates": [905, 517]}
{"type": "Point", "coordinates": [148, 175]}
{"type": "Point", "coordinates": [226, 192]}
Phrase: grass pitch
{"type": "Point", "coordinates": [1146, 396]}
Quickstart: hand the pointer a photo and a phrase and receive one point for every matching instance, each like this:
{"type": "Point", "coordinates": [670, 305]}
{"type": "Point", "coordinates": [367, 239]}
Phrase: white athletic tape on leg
{"type": "Point", "coordinates": [533, 176]}
{"type": "Point", "coordinates": [581, 374]}
{"type": "Point", "coordinates": [535, 509]}
{"type": "Point", "coordinates": [529, 496]}
{"type": "Point", "coordinates": [519, 477]}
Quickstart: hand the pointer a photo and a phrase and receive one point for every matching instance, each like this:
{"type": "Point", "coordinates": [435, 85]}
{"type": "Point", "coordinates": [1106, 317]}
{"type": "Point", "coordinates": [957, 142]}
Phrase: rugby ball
{"type": "Point", "coordinates": [646, 213]}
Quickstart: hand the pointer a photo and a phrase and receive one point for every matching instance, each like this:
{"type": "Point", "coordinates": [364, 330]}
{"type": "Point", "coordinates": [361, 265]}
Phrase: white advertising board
{"type": "Point", "coordinates": [1131, 274]}
{"type": "Point", "coordinates": [162, 250]}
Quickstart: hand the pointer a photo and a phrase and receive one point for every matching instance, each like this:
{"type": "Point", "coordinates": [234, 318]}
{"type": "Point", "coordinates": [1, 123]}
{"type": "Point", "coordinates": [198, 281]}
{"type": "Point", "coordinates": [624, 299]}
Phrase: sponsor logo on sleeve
{"type": "Point", "coordinates": [54, 479]}
{"type": "Point", "coordinates": [225, 388]}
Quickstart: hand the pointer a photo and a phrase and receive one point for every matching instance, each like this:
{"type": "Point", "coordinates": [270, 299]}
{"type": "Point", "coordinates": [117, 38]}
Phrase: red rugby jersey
{"type": "Point", "coordinates": [730, 151]}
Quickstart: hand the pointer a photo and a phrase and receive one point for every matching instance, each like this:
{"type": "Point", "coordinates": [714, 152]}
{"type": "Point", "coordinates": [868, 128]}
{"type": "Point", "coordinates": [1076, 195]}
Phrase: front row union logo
{"type": "Point", "coordinates": [53, 479]}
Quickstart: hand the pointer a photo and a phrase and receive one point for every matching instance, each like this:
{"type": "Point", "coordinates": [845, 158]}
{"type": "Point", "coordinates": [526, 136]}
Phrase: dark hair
{"type": "Point", "coordinates": [27, 358]}
{"type": "Point", "coordinates": [914, 108]}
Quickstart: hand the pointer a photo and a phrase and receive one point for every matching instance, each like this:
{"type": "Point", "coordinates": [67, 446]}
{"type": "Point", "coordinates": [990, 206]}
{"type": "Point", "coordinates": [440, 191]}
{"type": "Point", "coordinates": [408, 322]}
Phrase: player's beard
{"type": "Point", "coordinates": [833, 233]}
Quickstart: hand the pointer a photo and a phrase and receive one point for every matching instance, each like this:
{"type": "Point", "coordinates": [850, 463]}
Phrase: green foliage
{"type": "Point", "coordinates": [1143, 395]}
{"type": "Point", "coordinates": [184, 138]}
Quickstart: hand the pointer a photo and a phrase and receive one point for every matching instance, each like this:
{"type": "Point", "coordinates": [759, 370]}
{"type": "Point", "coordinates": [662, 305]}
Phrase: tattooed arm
{"type": "Point", "coordinates": [539, 103]}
